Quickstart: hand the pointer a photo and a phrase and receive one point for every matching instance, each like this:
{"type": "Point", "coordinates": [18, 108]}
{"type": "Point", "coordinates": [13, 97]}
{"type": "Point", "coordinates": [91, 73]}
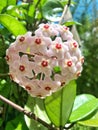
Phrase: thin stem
{"type": "Point", "coordinates": [29, 114]}
{"type": "Point", "coordinates": [64, 12]}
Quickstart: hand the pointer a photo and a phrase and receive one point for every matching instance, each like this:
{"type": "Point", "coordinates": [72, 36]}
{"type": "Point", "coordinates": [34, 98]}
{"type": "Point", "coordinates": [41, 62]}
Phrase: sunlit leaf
{"type": "Point", "coordinates": [36, 106]}
{"type": "Point", "coordinates": [19, 127]}
{"type": "Point", "coordinates": [52, 9]}
{"type": "Point", "coordinates": [2, 5]}
{"type": "Point", "coordinates": [6, 3]}
{"type": "Point", "coordinates": [70, 23]}
{"type": "Point", "coordinates": [11, 2]}
{"type": "Point", "coordinates": [17, 11]}
{"type": "Point", "coordinates": [92, 122]}
{"type": "Point", "coordinates": [84, 105]}
{"type": "Point", "coordinates": [57, 69]}
{"type": "Point", "coordinates": [59, 105]}
{"type": "Point", "coordinates": [31, 13]}
{"type": "Point", "coordinates": [13, 25]}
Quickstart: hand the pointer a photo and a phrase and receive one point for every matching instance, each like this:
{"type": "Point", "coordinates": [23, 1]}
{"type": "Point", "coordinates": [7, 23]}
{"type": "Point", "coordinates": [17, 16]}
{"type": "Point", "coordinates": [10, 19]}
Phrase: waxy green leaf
{"type": "Point", "coordinates": [2, 5]}
{"type": "Point", "coordinates": [36, 106]}
{"type": "Point", "coordinates": [52, 9]}
{"type": "Point", "coordinates": [5, 3]}
{"type": "Point", "coordinates": [13, 25]}
{"type": "Point", "coordinates": [59, 105]}
{"type": "Point", "coordinates": [19, 12]}
{"type": "Point", "coordinates": [11, 2]}
{"type": "Point", "coordinates": [92, 122]}
{"type": "Point", "coordinates": [84, 105]}
{"type": "Point", "coordinates": [70, 23]}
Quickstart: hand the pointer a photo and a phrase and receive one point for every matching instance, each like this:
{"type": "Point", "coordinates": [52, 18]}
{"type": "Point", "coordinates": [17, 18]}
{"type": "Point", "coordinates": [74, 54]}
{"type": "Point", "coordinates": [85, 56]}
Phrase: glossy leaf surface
{"type": "Point", "coordinates": [11, 2]}
{"type": "Point", "coordinates": [70, 23]}
{"type": "Point", "coordinates": [5, 3]}
{"type": "Point", "coordinates": [36, 106]}
{"type": "Point", "coordinates": [84, 105]}
{"type": "Point", "coordinates": [92, 122]}
{"type": "Point", "coordinates": [2, 5]}
{"type": "Point", "coordinates": [52, 10]}
{"type": "Point", "coordinates": [13, 25]}
{"type": "Point", "coordinates": [59, 105]}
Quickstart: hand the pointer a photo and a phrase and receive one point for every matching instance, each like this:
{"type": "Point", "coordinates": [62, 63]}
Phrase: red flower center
{"type": "Point", "coordinates": [46, 26]}
{"type": "Point", "coordinates": [22, 39]}
{"type": "Point", "coordinates": [47, 88]}
{"type": "Point", "coordinates": [75, 45]}
{"type": "Point", "coordinates": [58, 46]}
{"type": "Point", "coordinates": [38, 41]}
{"type": "Point", "coordinates": [44, 63]}
{"type": "Point", "coordinates": [7, 58]}
{"type": "Point", "coordinates": [66, 28]}
{"type": "Point", "coordinates": [28, 88]}
{"type": "Point", "coordinates": [69, 63]}
{"type": "Point", "coordinates": [21, 68]}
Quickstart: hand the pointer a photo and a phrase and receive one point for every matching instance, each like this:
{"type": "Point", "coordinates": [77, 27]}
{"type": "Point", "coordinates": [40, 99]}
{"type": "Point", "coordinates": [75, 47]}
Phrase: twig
{"type": "Point", "coordinates": [65, 11]}
{"type": "Point", "coordinates": [29, 114]}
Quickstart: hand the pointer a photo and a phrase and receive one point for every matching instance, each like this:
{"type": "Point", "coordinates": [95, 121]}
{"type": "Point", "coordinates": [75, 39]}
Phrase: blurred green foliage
{"type": "Point", "coordinates": [88, 82]}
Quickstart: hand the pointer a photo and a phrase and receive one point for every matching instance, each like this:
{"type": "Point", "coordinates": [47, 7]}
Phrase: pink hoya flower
{"type": "Point", "coordinates": [45, 62]}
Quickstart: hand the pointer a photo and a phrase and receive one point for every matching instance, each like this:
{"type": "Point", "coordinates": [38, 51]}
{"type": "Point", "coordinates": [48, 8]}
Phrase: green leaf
{"type": "Point", "coordinates": [17, 124]}
{"type": "Point", "coordinates": [13, 25]}
{"type": "Point", "coordinates": [2, 5]}
{"type": "Point", "coordinates": [19, 127]}
{"type": "Point", "coordinates": [11, 2]}
{"type": "Point", "coordinates": [51, 10]}
{"type": "Point", "coordinates": [57, 69]}
{"type": "Point", "coordinates": [36, 106]}
{"type": "Point", "coordinates": [70, 23]}
{"type": "Point", "coordinates": [31, 10]}
{"type": "Point", "coordinates": [92, 122]}
{"type": "Point", "coordinates": [84, 105]}
{"type": "Point", "coordinates": [17, 11]}
{"type": "Point", "coordinates": [59, 105]}
{"type": "Point", "coordinates": [5, 3]}
{"type": "Point", "coordinates": [31, 13]}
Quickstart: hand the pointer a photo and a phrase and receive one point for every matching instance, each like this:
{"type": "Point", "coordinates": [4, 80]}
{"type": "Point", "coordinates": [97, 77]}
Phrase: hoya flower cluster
{"type": "Point", "coordinates": [45, 62]}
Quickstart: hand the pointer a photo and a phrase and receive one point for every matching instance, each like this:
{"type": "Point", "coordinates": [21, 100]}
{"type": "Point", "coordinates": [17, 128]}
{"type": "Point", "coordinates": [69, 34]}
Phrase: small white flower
{"type": "Point", "coordinates": [49, 84]}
